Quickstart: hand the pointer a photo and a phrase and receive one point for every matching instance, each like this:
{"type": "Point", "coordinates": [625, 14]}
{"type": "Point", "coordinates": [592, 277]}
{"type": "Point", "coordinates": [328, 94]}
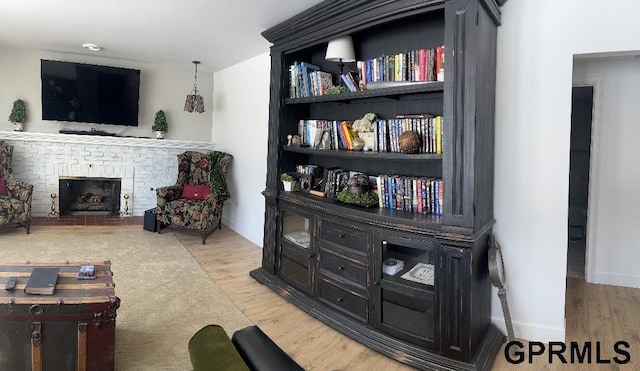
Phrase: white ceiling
{"type": "Point", "coordinates": [218, 33]}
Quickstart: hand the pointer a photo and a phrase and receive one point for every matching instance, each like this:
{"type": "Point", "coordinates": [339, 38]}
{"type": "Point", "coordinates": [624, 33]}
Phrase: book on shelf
{"type": "Point", "coordinates": [391, 266]}
{"type": "Point", "coordinates": [306, 69]}
{"type": "Point", "coordinates": [350, 82]}
{"type": "Point", "coordinates": [42, 281]}
{"type": "Point", "coordinates": [421, 273]}
{"type": "Point", "coordinates": [324, 80]}
{"type": "Point", "coordinates": [440, 63]}
{"type": "Point", "coordinates": [301, 238]}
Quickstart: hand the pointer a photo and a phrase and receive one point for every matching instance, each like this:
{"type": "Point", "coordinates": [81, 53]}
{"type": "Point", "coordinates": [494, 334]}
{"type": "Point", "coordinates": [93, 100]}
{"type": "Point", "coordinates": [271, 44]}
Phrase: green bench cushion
{"type": "Point", "coordinates": [212, 349]}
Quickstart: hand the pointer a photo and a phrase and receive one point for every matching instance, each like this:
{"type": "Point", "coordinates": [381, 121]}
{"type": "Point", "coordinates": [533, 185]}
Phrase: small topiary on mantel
{"type": "Point", "coordinates": [160, 122]}
{"type": "Point", "coordinates": [160, 125]}
{"type": "Point", "coordinates": [18, 115]}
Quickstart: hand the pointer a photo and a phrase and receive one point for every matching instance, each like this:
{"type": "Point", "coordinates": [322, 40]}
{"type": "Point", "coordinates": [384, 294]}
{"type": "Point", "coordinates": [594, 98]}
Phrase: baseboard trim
{"type": "Point", "coordinates": [617, 279]}
{"type": "Point", "coordinates": [531, 331]}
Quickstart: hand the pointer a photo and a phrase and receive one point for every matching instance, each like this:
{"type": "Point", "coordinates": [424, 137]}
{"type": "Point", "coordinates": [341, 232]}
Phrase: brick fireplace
{"type": "Point", "coordinates": [141, 165]}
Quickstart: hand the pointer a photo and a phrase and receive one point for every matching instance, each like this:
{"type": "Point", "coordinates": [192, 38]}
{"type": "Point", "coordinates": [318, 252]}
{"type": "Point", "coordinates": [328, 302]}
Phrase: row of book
{"type": "Point", "coordinates": [416, 65]}
{"type": "Point", "coordinates": [423, 195]}
{"type": "Point", "coordinates": [308, 80]}
{"type": "Point", "coordinates": [386, 133]}
{"type": "Point", "coordinates": [421, 65]}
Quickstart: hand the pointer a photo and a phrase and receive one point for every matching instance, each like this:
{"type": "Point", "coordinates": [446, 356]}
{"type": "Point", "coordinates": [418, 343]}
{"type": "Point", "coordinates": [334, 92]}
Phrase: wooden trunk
{"type": "Point", "coordinates": [73, 329]}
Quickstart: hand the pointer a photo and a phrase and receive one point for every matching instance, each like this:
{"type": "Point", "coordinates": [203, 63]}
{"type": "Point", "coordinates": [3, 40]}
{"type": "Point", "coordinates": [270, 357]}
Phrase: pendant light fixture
{"type": "Point", "coordinates": [194, 102]}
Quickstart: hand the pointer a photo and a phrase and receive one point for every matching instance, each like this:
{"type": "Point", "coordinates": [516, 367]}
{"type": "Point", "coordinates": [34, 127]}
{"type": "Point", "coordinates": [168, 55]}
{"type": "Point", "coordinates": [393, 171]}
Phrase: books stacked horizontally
{"type": "Point", "coordinates": [392, 266]}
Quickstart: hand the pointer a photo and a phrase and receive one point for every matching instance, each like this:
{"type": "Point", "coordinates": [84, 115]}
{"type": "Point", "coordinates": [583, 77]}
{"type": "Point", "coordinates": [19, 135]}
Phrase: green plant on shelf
{"type": "Point", "coordinates": [286, 177]}
{"type": "Point", "coordinates": [366, 199]}
{"type": "Point", "coordinates": [336, 90]}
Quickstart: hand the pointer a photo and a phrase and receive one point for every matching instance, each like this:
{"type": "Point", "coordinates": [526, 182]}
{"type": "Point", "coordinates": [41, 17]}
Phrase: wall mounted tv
{"type": "Point", "coordinates": [89, 93]}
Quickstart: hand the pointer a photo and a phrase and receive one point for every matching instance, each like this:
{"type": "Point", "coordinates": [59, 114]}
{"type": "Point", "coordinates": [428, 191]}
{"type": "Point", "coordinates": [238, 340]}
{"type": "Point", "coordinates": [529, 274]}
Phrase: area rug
{"type": "Point", "coordinates": [166, 296]}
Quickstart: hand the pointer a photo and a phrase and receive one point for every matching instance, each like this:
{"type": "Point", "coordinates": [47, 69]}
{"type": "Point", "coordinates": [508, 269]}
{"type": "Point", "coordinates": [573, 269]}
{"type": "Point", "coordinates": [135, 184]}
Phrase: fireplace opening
{"type": "Point", "coordinates": [89, 196]}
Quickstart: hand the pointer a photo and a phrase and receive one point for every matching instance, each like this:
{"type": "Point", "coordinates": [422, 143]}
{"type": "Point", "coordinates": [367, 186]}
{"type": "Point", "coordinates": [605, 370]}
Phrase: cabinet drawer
{"type": "Point", "coordinates": [343, 300]}
{"type": "Point", "coordinates": [344, 236]}
{"type": "Point", "coordinates": [343, 267]}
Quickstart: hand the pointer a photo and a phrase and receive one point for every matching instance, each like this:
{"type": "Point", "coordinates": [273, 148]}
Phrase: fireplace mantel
{"type": "Point", "coordinates": [143, 164]}
{"type": "Point", "coordinates": [104, 140]}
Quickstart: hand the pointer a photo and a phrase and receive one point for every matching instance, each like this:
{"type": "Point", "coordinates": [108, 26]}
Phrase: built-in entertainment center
{"type": "Point", "coordinates": [89, 94]}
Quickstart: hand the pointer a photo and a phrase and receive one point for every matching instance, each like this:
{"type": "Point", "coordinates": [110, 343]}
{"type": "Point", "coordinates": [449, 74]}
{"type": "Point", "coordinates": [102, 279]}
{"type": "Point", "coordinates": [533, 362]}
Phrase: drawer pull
{"type": "Point", "coordinates": [340, 268]}
{"type": "Point", "coordinates": [341, 235]}
{"type": "Point", "coordinates": [377, 283]}
{"type": "Point", "coordinates": [340, 300]}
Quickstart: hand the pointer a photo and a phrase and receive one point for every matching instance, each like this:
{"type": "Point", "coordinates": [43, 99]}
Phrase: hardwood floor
{"type": "Point", "coordinates": [594, 313]}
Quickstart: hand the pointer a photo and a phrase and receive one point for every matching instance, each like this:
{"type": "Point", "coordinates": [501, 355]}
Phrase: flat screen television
{"type": "Point", "coordinates": [89, 93]}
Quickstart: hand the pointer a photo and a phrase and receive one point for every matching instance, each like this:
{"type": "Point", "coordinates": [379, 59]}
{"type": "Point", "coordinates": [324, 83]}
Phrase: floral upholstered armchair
{"type": "Point", "coordinates": [15, 197]}
{"type": "Point", "coordinates": [195, 202]}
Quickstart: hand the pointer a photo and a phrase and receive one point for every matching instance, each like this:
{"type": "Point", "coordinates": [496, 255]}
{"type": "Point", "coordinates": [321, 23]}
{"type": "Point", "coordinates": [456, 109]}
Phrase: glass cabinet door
{"type": "Point", "coordinates": [296, 251]}
{"type": "Point", "coordinates": [404, 286]}
{"type": "Point", "coordinates": [296, 228]}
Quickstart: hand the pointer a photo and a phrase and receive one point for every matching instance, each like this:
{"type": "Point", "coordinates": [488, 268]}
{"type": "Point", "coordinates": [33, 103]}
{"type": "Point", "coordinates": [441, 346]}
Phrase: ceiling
{"type": "Point", "coordinates": [175, 32]}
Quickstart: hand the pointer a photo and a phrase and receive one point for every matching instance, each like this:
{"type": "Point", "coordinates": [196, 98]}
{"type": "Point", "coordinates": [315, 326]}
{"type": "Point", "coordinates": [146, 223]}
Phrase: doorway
{"type": "Point", "coordinates": [580, 154]}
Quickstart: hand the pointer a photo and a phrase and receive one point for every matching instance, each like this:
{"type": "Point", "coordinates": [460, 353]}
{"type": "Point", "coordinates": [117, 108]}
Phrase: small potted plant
{"type": "Point", "coordinates": [160, 125]}
{"type": "Point", "coordinates": [18, 115]}
{"type": "Point", "coordinates": [287, 181]}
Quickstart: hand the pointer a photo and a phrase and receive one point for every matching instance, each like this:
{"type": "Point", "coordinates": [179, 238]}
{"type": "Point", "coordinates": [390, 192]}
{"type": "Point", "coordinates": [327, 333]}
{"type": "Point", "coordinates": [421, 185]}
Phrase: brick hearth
{"type": "Point", "coordinates": [88, 220]}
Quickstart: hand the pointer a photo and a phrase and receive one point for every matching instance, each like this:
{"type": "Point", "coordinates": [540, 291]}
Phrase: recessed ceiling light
{"type": "Point", "coordinates": [92, 47]}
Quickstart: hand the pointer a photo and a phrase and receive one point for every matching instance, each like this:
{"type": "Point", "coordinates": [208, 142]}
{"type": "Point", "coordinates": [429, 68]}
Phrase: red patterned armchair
{"type": "Point", "coordinates": [195, 202]}
{"type": "Point", "coordinates": [15, 197]}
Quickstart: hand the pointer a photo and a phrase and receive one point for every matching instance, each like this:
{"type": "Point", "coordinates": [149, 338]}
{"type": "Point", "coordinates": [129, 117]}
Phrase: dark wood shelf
{"type": "Point", "coordinates": [392, 91]}
{"type": "Point", "coordinates": [362, 154]}
{"type": "Point", "coordinates": [426, 223]}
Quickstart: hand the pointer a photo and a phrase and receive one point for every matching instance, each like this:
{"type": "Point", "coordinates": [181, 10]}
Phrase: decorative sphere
{"type": "Point", "coordinates": [409, 142]}
{"type": "Point", "coordinates": [357, 144]}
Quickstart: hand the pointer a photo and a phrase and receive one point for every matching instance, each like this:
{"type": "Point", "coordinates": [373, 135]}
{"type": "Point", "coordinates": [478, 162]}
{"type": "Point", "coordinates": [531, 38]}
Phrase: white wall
{"type": "Point", "coordinates": [161, 87]}
{"type": "Point", "coordinates": [616, 204]}
{"type": "Point", "coordinates": [240, 127]}
{"type": "Point", "coordinates": [536, 44]}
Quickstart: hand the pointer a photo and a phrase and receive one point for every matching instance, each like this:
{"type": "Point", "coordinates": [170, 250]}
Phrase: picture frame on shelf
{"type": "Point", "coordinates": [306, 182]}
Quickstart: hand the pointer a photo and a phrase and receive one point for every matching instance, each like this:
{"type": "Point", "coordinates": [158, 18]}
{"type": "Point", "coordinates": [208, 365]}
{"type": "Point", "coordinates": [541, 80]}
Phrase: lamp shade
{"type": "Point", "coordinates": [341, 50]}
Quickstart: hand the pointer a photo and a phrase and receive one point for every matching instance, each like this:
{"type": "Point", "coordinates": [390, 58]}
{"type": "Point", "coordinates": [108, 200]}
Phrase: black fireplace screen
{"type": "Point", "coordinates": [85, 195]}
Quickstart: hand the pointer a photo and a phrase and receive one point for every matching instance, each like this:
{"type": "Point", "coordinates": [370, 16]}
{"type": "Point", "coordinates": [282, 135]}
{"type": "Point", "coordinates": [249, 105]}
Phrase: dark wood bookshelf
{"type": "Point", "coordinates": [338, 278]}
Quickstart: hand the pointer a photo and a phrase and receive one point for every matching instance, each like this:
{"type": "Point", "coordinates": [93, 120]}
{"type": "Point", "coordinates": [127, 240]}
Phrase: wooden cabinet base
{"type": "Point", "coordinates": [404, 352]}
